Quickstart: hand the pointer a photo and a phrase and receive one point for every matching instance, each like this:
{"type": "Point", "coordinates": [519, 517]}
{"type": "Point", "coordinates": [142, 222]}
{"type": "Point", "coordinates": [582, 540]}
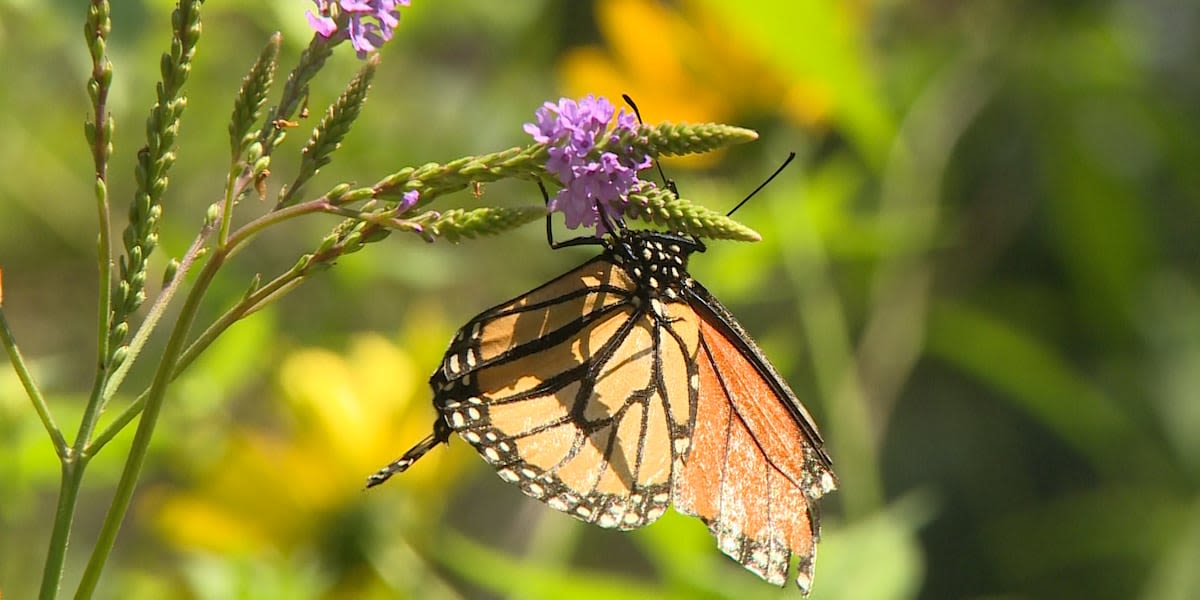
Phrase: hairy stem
{"type": "Point", "coordinates": [98, 133]}
{"type": "Point", "coordinates": [236, 241]}
{"type": "Point", "coordinates": [64, 512]}
{"type": "Point", "coordinates": [250, 303]}
{"type": "Point", "coordinates": [145, 429]}
{"type": "Point", "coordinates": [151, 321]}
{"type": "Point", "coordinates": [31, 388]}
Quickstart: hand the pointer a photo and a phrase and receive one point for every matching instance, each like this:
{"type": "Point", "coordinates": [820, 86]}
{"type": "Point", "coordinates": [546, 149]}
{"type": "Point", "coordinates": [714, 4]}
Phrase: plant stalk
{"type": "Point", "coordinates": [145, 430]}
{"type": "Point", "coordinates": [64, 513]}
{"type": "Point", "coordinates": [31, 388]}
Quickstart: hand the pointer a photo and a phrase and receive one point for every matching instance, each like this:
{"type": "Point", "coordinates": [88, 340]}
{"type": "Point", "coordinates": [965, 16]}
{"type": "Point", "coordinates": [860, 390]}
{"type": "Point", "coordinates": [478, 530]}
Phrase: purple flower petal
{"type": "Point", "coordinates": [324, 26]}
{"type": "Point", "coordinates": [591, 183]}
{"type": "Point", "coordinates": [368, 24]}
{"type": "Point", "coordinates": [409, 200]}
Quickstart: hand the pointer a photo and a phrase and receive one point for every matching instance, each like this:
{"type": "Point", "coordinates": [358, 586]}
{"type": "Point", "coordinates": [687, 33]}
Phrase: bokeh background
{"type": "Point", "coordinates": [982, 275]}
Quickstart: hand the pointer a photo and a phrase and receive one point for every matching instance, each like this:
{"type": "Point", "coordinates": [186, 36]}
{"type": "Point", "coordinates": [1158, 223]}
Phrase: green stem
{"type": "Point", "coordinates": [31, 388]}
{"type": "Point", "coordinates": [151, 321]}
{"type": "Point", "coordinates": [231, 188]}
{"type": "Point", "coordinates": [124, 419]}
{"type": "Point", "coordinates": [72, 471]}
{"type": "Point", "coordinates": [100, 147]}
{"type": "Point", "coordinates": [56, 554]}
{"type": "Point", "coordinates": [69, 492]}
{"type": "Point", "coordinates": [145, 430]}
{"type": "Point", "coordinates": [382, 220]}
{"type": "Point", "coordinates": [235, 242]}
{"type": "Point", "coordinates": [240, 311]}
{"type": "Point", "coordinates": [250, 303]}
{"type": "Point", "coordinates": [103, 319]}
{"type": "Point", "coordinates": [247, 232]}
{"type": "Point", "coordinates": [96, 31]}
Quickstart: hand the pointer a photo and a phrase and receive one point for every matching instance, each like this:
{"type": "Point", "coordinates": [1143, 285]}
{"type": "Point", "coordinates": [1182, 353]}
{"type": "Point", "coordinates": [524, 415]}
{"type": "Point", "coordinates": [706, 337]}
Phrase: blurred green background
{"type": "Point", "coordinates": [982, 276]}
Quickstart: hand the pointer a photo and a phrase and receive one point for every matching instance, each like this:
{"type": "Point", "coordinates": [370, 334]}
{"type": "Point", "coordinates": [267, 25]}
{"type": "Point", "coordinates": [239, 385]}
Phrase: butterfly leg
{"type": "Point", "coordinates": [440, 435]}
{"type": "Point", "coordinates": [590, 240]}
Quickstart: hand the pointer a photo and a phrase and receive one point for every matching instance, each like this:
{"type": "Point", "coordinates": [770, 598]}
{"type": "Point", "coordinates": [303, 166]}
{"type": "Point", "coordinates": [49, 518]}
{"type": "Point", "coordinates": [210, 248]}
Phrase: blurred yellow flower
{"type": "Point", "coordinates": [686, 64]}
{"type": "Point", "coordinates": [348, 416]}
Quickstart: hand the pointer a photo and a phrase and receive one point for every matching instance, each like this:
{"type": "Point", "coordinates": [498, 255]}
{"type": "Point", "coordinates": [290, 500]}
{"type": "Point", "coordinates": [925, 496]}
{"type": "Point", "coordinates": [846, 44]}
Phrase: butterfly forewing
{"type": "Point", "coordinates": [580, 392]}
{"type": "Point", "coordinates": [551, 312]}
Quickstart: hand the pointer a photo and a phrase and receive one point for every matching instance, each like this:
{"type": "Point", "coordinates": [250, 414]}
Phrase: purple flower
{"type": "Point", "coordinates": [591, 178]}
{"type": "Point", "coordinates": [409, 200]}
{"type": "Point", "coordinates": [366, 23]}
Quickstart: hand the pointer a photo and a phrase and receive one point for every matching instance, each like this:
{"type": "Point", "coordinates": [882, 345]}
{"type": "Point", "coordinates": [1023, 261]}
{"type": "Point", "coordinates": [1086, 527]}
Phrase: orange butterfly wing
{"type": "Point", "coordinates": [577, 393]}
{"type": "Point", "coordinates": [623, 385]}
{"type": "Point", "coordinates": [755, 468]}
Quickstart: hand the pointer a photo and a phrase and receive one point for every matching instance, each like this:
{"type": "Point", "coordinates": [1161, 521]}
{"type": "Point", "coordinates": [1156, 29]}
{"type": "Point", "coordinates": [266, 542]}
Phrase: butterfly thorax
{"type": "Point", "coordinates": [656, 261]}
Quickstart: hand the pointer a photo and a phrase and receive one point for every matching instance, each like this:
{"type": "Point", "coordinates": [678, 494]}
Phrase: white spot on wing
{"type": "Point", "coordinates": [827, 483]}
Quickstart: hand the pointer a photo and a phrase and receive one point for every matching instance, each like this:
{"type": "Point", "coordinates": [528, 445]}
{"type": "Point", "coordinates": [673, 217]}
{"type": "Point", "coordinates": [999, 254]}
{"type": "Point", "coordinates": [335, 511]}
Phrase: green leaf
{"type": "Point", "coordinates": [503, 575]}
{"type": "Point", "coordinates": [1044, 385]}
{"type": "Point", "coordinates": [878, 557]}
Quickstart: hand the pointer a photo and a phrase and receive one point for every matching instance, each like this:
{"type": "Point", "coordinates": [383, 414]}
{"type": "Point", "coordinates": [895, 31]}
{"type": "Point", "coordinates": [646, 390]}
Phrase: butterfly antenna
{"type": "Point", "coordinates": [791, 155]}
{"type": "Point", "coordinates": [670, 183]}
{"type": "Point", "coordinates": [610, 224]}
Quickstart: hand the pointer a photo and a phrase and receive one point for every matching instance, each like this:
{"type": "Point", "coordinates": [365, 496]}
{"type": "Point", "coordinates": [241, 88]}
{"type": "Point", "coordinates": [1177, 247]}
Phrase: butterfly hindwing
{"type": "Point", "coordinates": [752, 474]}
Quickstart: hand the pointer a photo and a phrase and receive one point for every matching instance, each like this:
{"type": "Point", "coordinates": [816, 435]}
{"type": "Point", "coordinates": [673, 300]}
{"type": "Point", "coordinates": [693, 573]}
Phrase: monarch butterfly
{"type": "Point", "coordinates": [623, 386]}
